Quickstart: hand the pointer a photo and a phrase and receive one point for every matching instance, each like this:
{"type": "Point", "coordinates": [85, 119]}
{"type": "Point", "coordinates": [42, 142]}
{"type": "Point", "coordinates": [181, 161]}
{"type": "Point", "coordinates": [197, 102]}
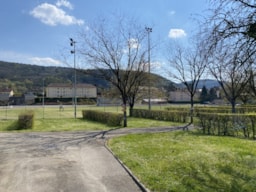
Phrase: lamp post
{"type": "Point", "coordinates": [43, 98]}
{"type": "Point", "coordinates": [149, 30]}
{"type": "Point", "coordinates": [73, 44]}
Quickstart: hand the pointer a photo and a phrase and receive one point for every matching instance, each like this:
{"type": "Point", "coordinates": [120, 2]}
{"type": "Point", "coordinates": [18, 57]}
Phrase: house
{"type": "Point", "coordinates": [5, 95]}
{"type": "Point", "coordinates": [62, 90]}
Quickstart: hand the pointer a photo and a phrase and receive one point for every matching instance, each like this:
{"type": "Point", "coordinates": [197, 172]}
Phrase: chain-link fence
{"type": "Point", "coordinates": [51, 111]}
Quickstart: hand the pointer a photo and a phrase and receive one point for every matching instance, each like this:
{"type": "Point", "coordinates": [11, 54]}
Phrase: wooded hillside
{"type": "Point", "coordinates": [23, 78]}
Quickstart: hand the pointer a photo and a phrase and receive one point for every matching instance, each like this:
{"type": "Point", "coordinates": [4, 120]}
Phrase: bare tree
{"type": "Point", "coordinates": [232, 20]}
{"type": "Point", "coordinates": [232, 24]}
{"type": "Point", "coordinates": [187, 66]}
{"type": "Point", "coordinates": [116, 48]}
{"type": "Point", "coordinates": [231, 70]}
{"type": "Point", "coordinates": [229, 38]}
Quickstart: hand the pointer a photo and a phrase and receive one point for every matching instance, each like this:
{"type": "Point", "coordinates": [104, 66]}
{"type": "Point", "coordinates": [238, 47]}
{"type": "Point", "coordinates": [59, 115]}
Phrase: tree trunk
{"type": "Point", "coordinates": [191, 110]}
{"type": "Point", "coordinates": [233, 104]}
{"type": "Point", "coordinates": [125, 115]}
{"type": "Point", "coordinates": [131, 111]}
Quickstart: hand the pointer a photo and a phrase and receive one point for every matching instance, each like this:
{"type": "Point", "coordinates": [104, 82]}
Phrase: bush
{"type": "Point", "coordinates": [175, 116]}
{"type": "Point", "coordinates": [111, 119]}
{"type": "Point", "coordinates": [26, 120]}
{"type": "Point", "coordinates": [228, 124]}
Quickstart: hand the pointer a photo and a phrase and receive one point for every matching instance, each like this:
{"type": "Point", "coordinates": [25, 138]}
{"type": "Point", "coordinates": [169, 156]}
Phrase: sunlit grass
{"type": "Point", "coordinates": [185, 161]}
{"type": "Point", "coordinates": [50, 118]}
{"type": "Point", "coordinates": [79, 124]}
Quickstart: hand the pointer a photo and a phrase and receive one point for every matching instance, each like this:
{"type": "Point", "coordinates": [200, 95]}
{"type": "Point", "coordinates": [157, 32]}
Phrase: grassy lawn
{"type": "Point", "coordinates": [71, 124]}
{"type": "Point", "coordinates": [50, 118]}
{"type": "Point", "coordinates": [186, 161]}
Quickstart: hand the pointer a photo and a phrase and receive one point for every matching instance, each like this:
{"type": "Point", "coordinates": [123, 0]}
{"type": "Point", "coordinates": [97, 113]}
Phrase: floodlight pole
{"type": "Point", "coordinates": [73, 44]}
{"type": "Point", "coordinates": [149, 30]}
{"type": "Point", "coordinates": [43, 96]}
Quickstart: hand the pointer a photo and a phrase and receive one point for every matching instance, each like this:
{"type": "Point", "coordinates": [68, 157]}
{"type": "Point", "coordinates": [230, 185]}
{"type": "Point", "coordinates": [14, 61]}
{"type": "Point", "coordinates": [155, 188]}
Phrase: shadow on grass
{"type": "Point", "coordinates": [206, 181]}
{"type": "Point", "coordinates": [15, 127]}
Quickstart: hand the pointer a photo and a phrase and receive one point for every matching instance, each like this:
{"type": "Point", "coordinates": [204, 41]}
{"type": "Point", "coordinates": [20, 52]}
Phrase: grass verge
{"type": "Point", "coordinates": [71, 124]}
{"type": "Point", "coordinates": [186, 161]}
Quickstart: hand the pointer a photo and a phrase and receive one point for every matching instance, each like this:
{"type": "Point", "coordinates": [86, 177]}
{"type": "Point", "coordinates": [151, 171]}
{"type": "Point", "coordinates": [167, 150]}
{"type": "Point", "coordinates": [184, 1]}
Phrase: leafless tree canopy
{"type": "Point", "coordinates": [187, 66]}
{"type": "Point", "coordinates": [231, 23]}
{"type": "Point", "coordinates": [116, 47]}
{"type": "Point", "coordinates": [229, 38]}
{"type": "Point", "coordinates": [232, 70]}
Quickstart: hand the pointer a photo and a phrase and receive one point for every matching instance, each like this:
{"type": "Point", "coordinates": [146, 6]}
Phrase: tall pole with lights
{"type": "Point", "coordinates": [149, 30]}
{"type": "Point", "coordinates": [43, 97]}
{"type": "Point", "coordinates": [73, 44]}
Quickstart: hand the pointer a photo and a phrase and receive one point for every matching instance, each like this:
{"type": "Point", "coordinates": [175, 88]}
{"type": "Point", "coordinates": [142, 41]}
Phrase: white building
{"type": "Point", "coordinates": [62, 90]}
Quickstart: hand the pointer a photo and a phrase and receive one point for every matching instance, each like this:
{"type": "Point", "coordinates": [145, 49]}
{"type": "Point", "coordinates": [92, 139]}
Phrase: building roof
{"type": "Point", "coordinates": [69, 85]}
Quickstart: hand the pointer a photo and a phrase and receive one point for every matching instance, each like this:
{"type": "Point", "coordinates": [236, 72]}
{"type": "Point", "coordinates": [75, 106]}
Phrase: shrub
{"type": "Point", "coordinates": [111, 119]}
{"type": "Point", "coordinates": [26, 120]}
{"type": "Point", "coordinates": [175, 116]}
{"type": "Point", "coordinates": [228, 124]}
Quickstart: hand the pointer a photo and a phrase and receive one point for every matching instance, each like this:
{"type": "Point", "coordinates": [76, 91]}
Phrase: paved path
{"type": "Point", "coordinates": [63, 162]}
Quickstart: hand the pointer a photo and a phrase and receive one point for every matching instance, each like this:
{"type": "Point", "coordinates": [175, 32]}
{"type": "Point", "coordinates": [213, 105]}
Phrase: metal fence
{"type": "Point", "coordinates": [51, 111]}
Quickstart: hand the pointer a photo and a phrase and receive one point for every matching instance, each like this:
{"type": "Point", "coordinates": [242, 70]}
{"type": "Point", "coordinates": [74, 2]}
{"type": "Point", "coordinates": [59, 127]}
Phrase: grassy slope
{"type": "Point", "coordinates": [185, 161]}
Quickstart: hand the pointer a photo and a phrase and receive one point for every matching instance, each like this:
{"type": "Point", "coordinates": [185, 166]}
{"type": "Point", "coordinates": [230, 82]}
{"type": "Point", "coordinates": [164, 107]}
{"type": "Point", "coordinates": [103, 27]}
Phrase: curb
{"type": "Point", "coordinates": [134, 178]}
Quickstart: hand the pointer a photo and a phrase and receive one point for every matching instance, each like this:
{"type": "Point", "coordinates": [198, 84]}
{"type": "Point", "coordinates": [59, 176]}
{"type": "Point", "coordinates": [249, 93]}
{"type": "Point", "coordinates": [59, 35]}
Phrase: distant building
{"type": "Point", "coordinates": [29, 98]}
{"type": "Point", "coordinates": [182, 95]}
{"type": "Point", "coordinates": [5, 95]}
{"type": "Point", "coordinates": [61, 90]}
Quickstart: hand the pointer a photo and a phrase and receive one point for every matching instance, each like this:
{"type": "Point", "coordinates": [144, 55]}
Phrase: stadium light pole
{"type": "Point", "coordinates": [73, 44]}
{"type": "Point", "coordinates": [149, 30]}
{"type": "Point", "coordinates": [43, 96]}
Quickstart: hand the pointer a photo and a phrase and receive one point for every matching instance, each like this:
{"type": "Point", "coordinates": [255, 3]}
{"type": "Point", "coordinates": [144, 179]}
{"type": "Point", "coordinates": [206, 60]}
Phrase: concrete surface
{"type": "Point", "coordinates": [64, 162]}
{"type": "Point", "coordinates": [59, 162]}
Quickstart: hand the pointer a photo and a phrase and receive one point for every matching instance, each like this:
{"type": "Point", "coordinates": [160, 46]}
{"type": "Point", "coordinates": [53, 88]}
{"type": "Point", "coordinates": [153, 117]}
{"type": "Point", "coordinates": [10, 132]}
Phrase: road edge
{"type": "Point", "coordinates": [134, 178]}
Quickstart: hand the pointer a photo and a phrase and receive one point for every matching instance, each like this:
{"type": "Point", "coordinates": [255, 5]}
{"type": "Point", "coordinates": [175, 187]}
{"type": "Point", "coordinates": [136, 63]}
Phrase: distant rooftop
{"type": "Point", "coordinates": [69, 85]}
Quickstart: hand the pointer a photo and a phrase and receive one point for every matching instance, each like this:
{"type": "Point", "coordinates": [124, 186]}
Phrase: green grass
{"type": "Point", "coordinates": [71, 124]}
{"type": "Point", "coordinates": [186, 161]}
{"type": "Point", "coordinates": [51, 119]}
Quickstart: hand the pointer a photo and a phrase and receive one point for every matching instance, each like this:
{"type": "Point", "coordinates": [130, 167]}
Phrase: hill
{"type": "Point", "coordinates": [24, 78]}
{"type": "Point", "coordinates": [208, 83]}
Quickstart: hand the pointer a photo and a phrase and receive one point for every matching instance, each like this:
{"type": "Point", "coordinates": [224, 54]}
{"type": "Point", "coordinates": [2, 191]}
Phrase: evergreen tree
{"type": "Point", "coordinates": [204, 95]}
{"type": "Point", "coordinates": [212, 94]}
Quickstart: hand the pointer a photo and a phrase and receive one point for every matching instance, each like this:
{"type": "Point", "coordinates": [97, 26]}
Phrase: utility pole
{"type": "Point", "coordinates": [149, 30]}
{"type": "Point", "coordinates": [73, 44]}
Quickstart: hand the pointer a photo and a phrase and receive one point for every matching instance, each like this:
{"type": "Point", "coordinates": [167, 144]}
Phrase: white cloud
{"type": "Point", "coordinates": [11, 56]}
{"type": "Point", "coordinates": [133, 43]}
{"type": "Point", "coordinates": [50, 14]}
{"type": "Point", "coordinates": [177, 33]}
{"type": "Point", "coordinates": [64, 3]}
{"type": "Point", "coordinates": [45, 61]}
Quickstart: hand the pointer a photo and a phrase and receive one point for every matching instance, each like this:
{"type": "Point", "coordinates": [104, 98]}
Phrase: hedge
{"type": "Point", "coordinates": [175, 116]}
{"type": "Point", "coordinates": [228, 124]}
{"type": "Point", "coordinates": [26, 120]}
{"type": "Point", "coordinates": [111, 119]}
{"type": "Point", "coordinates": [225, 109]}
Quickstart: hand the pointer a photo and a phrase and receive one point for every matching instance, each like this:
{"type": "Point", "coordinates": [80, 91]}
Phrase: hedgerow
{"type": "Point", "coordinates": [111, 119]}
{"type": "Point", "coordinates": [228, 124]}
{"type": "Point", "coordinates": [164, 115]}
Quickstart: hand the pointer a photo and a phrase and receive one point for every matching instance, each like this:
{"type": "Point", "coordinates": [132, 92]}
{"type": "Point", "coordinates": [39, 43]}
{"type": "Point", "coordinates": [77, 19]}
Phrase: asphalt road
{"type": "Point", "coordinates": [63, 162]}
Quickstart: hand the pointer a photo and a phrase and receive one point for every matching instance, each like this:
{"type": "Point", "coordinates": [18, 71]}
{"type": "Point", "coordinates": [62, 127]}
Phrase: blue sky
{"type": "Point", "coordinates": [38, 31]}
